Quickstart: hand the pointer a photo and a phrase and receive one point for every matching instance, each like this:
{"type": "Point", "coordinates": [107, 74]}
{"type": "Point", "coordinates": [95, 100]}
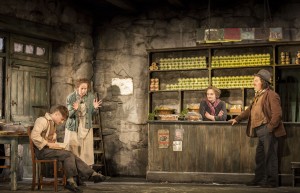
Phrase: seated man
{"type": "Point", "coordinates": [43, 136]}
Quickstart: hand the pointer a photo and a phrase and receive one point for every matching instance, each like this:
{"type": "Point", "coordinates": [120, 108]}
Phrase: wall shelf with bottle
{"type": "Point", "coordinates": [172, 73]}
{"type": "Point", "coordinates": [179, 76]}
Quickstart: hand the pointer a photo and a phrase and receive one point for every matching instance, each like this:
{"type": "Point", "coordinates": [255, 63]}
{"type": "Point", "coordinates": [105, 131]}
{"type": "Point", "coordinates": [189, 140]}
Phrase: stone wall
{"type": "Point", "coordinates": [121, 45]}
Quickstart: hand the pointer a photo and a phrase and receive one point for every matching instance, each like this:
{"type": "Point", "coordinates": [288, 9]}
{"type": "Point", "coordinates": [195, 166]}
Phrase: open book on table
{"type": "Point", "coordinates": [60, 145]}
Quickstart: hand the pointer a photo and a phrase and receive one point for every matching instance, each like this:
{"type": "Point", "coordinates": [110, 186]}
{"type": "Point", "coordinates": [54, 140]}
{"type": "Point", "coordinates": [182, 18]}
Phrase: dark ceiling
{"type": "Point", "coordinates": [108, 8]}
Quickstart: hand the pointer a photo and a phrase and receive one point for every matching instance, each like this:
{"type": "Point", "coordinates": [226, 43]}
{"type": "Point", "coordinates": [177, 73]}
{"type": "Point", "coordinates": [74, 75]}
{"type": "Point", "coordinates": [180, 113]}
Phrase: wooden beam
{"type": "Point", "coordinates": [25, 27]}
{"type": "Point", "coordinates": [122, 4]}
{"type": "Point", "coordinates": [176, 3]}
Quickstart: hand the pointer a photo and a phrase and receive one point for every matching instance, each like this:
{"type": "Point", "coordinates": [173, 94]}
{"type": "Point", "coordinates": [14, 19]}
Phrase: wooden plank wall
{"type": "Point", "coordinates": [215, 147]}
{"type": "Point", "coordinates": [1, 87]}
{"type": "Point", "coordinates": [28, 89]}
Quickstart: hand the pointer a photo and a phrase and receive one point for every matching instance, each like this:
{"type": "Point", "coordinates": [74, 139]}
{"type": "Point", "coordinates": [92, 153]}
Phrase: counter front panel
{"type": "Point", "coordinates": [210, 151]}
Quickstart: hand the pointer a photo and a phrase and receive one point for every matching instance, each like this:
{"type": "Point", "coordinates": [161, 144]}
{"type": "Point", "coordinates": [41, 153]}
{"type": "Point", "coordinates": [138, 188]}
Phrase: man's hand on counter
{"type": "Point", "coordinates": [233, 121]}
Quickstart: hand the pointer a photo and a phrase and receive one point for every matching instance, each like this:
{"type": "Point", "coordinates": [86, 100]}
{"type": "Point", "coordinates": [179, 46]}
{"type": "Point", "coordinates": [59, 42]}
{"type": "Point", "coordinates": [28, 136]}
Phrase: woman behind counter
{"type": "Point", "coordinates": [79, 132]}
{"type": "Point", "coordinates": [212, 108]}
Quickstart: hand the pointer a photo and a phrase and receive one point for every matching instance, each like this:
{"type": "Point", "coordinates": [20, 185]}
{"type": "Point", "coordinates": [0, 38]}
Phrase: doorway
{"type": "Point", "coordinates": [29, 92]}
{"type": "Point", "coordinates": [29, 81]}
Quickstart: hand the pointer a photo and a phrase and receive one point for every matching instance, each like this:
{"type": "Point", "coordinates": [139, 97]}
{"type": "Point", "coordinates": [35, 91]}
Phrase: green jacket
{"type": "Point", "coordinates": [73, 119]}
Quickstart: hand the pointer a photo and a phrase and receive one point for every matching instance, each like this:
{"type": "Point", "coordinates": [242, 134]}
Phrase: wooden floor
{"type": "Point", "coordinates": [139, 185]}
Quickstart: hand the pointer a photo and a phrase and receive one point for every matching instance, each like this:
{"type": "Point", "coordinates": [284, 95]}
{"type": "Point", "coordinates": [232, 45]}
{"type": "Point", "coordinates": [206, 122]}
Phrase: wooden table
{"type": "Point", "coordinates": [14, 140]}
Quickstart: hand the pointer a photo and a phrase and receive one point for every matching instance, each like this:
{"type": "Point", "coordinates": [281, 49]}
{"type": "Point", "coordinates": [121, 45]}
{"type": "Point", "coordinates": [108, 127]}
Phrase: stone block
{"type": "Point", "coordinates": [85, 70]}
{"type": "Point", "coordinates": [85, 41]}
{"type": "Point", "coordinates": [108, 131]}
{"type": "Point", "coordinates": [109, 106]}
{"type": "Point", "coordinates": [83, 55]}
{"type": "Point", "coordinates": [128, 137]}
{"type": "Point", "coordinates": [69, 15]}
{"type": "Point", "coordinates": [113, 40]}
{"type": "Point", "coordinates": [61, 71]}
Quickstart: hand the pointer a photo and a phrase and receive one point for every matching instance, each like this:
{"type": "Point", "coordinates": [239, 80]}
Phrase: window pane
{"type": "Point", "coordinates": [40, 51]}
{"type": "Point", "coordinates": [1, 44]}
{"type": "Point", "coordinates": [18, 47]}
{"type": "Point", "coordinates": [29, 49]}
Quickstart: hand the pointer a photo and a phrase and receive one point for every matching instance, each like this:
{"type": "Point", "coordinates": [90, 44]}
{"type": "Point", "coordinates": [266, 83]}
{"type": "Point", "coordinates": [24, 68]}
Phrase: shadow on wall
{"type": "Point", "coordinates": [113, 93]}
{"type": "Point", "coordinates": [111, 115]}
{"type": "Point", "coordinates": [126, 153]}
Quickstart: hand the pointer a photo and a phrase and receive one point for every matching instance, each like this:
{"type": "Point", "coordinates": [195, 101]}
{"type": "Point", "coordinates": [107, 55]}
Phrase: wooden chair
{"type": "Point", "coordinates": [5, 166]}
{"type": "Point", "coordinates": [37, 177]}
{"type": "Point", "coordinates": [294, 167]}
{"type": "Point", "coordinates": [5, 158]}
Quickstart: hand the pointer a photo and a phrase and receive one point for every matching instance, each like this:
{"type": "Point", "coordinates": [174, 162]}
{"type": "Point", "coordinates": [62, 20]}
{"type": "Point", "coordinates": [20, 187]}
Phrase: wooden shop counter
{"type": "Point", "coordinates": [206, 152]}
